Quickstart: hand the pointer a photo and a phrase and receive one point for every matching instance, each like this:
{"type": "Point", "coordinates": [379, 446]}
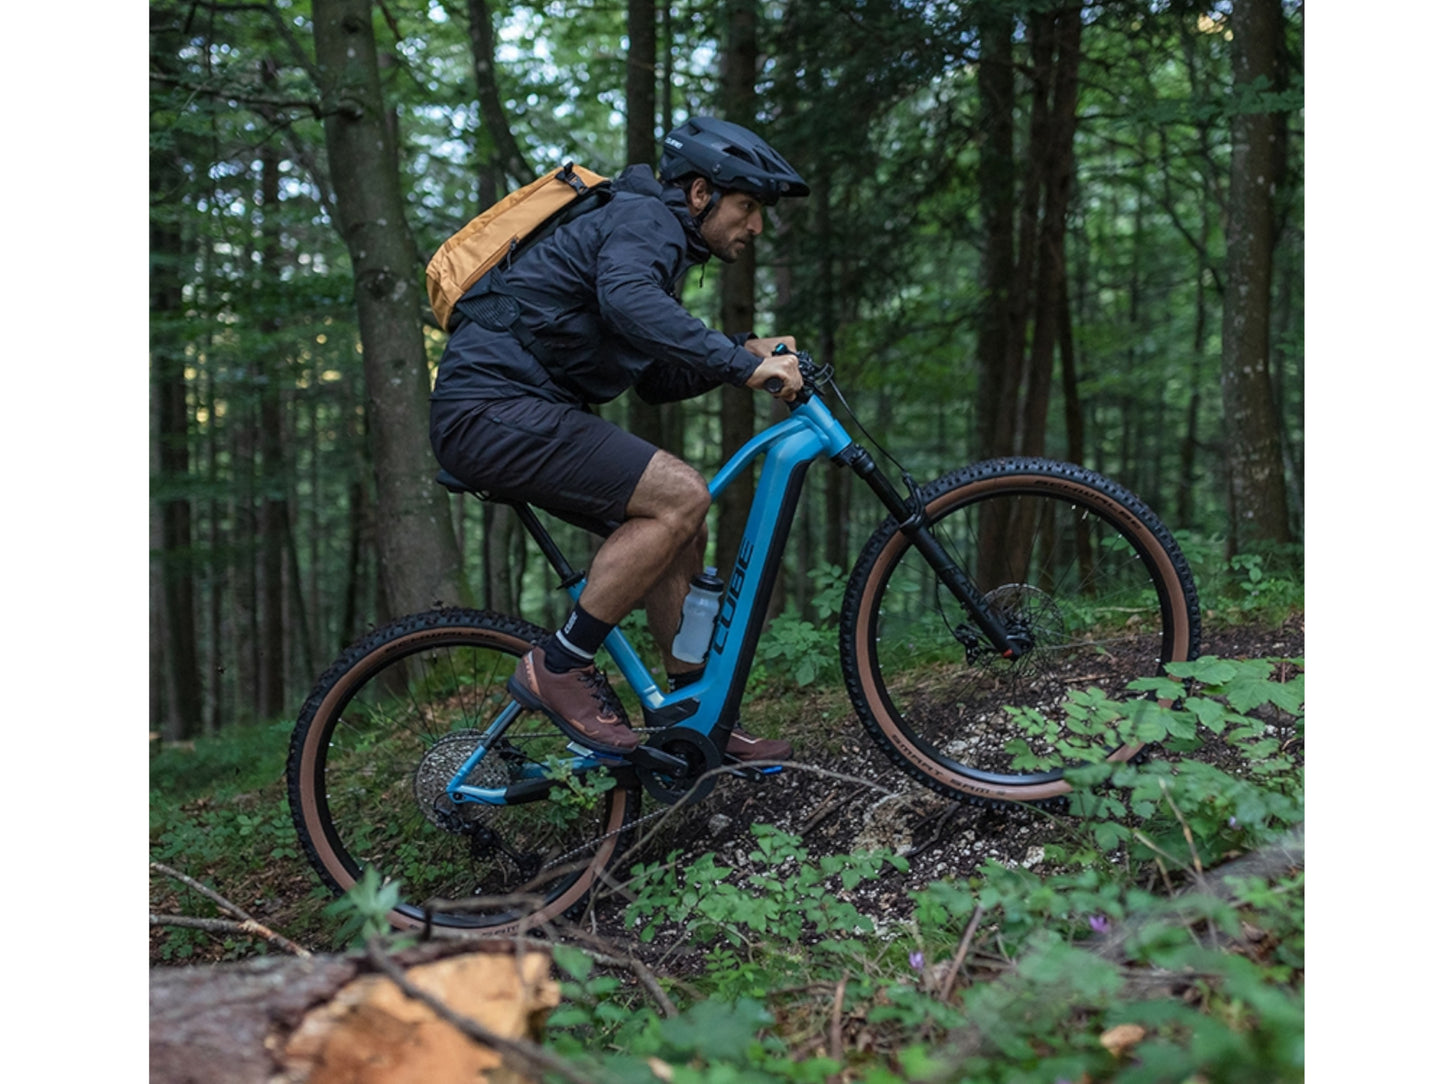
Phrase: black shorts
{"type": "Point", "coordinates": [554, 455]}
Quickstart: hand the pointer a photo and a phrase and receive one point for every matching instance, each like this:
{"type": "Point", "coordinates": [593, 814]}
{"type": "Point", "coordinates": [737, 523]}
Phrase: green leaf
{"type": "Point", "coordinates": [575, 963]}
{"type": "Point", "coordinates": [715, 1030]}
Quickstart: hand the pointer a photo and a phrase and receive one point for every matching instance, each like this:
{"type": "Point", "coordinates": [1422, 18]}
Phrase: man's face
{"type": "Point", "coordinates": [733, 224]}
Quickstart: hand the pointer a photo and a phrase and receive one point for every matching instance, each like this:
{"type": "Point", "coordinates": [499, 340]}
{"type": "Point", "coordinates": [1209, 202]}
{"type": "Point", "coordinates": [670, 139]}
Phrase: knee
{"type": "Point", "coordinates": [672, 493]}
{"type": "Point", "coordinates": [689, 503]}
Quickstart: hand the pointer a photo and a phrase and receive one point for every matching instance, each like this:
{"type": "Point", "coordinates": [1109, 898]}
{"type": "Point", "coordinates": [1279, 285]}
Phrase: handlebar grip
{"type": "Point", "coordinates": [773, 384]}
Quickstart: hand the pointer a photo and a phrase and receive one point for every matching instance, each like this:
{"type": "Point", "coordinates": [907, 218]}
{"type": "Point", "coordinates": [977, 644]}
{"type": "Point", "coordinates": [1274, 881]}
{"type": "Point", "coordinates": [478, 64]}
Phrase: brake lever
{"type": "Point", "coordinates": [774, 384]}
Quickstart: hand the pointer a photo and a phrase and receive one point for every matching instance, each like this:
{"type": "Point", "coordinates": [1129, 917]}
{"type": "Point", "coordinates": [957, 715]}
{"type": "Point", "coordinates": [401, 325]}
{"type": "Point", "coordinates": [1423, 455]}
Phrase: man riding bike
{"type": "Point", "coordinates": [599, 314]}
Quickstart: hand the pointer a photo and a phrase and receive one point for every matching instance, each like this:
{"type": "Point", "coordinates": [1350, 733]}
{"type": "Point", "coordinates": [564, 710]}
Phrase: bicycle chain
{"type": "Point", "coordinates": [599, 841]}
{"type": "Point", "coordinates": [592, 844]}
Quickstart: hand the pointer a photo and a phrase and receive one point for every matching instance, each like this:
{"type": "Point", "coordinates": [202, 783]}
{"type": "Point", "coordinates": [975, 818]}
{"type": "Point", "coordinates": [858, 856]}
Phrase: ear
{"type": "Point", "coordinates": [699, 193]}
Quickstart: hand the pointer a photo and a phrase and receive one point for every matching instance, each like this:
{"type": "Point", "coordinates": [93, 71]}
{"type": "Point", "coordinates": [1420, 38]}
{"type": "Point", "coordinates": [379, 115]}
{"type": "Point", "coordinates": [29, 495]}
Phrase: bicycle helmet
{"type": "Point", "coordinates": [729, 157]}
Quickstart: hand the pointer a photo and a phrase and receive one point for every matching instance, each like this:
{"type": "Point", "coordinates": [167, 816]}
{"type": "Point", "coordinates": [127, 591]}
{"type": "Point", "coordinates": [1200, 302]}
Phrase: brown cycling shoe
{"type": "Point", "coordinates": [580, 702]}
{"type": "Point", "coordinates": [743, 746]}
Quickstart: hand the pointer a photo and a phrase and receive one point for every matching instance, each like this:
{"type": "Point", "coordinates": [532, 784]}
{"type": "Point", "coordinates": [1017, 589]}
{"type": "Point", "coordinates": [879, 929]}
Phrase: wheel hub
{"type": "Point", "coordinates": [1029, 613]}
{"type": "Point", "coordinates": [434, 775]}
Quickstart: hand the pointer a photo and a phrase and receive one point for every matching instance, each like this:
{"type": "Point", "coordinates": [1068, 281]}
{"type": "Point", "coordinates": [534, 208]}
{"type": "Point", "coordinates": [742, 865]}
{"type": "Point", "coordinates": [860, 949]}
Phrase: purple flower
{"type": "Point", "coordinates": [915, 961]}
{"type": "Point", "coordinates": [1099, 923]}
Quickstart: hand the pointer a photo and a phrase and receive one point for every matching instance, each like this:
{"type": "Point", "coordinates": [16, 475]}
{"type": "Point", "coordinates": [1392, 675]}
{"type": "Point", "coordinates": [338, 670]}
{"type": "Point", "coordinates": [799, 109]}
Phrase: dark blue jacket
{"type": "Point", "coordinates": [600, 295]}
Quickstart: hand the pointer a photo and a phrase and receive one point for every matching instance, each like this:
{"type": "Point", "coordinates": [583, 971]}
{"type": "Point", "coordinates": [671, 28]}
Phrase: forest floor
{"type": "Point", "coordinates": [854, 799]}
{"type": "Point", "coordinates": [845, 797]}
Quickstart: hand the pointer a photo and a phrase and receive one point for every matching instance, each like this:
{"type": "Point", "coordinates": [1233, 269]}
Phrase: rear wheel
{"type": "Point", "coordinates": [1074, 563]}
{"type": "Point", "coordinates": [380, 738]}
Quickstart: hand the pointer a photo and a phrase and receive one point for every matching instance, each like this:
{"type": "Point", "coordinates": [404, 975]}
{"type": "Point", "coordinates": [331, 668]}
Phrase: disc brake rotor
{"type": "Point", "coordinates": [1030, 612]}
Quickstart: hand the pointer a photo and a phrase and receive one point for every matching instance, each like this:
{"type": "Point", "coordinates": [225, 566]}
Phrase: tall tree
{"type": "Point", "coordinates": [419, 561]}
{"type": "Point", "coordinates": [178, 684]}
{"type": "Point", "coordinates": [499, 159]}
{"type": "Point", "coordinates": [996, 194]}
{"type": "Point", "coordinates": [738, 279]}
{"type": "Point", "coordinates": [650, 421]}
{"type": "Point", "coordinates": [1251, 421]}
{"type": "Point", "coordinates": [276, 642]}
{"type": "Point", "coordinates": [1060, 35]}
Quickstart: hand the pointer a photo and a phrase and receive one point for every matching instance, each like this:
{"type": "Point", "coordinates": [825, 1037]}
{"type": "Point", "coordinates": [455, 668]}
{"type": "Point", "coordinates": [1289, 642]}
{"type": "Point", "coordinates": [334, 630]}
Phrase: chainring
{"type": "Point", "coordinates": [701, 755]}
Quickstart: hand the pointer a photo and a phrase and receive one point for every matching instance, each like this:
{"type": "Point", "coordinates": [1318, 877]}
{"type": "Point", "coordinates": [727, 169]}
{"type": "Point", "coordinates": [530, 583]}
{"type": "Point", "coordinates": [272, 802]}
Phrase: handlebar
{"type": "Point", "coordinates": [806, 367]}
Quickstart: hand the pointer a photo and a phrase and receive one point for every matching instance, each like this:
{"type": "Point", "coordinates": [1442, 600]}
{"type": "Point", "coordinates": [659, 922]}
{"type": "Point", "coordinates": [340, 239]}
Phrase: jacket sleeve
{"type": "Point", "coordinates": [636, 264]}
{"type": "Point", "coordinates": [662, 382]}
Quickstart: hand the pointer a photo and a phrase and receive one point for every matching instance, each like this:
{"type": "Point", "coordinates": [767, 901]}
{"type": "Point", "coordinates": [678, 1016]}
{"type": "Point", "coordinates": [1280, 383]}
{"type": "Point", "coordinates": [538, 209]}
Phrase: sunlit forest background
{"type": "Point", "coordinates": [1035, 228]}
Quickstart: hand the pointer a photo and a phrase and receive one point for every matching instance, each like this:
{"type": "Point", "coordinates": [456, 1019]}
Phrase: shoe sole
{"type": "Point", "coordinates": [528, 699]}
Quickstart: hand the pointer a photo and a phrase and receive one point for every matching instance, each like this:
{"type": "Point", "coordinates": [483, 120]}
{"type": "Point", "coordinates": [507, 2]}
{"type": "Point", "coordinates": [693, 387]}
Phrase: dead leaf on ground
{"type": "Point", "coordinates": [1118, 1040]}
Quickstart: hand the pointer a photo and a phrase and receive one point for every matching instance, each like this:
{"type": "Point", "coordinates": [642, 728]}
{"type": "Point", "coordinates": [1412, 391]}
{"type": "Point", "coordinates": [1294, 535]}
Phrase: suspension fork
{"type": "Point", "coordinates": [912, 523]}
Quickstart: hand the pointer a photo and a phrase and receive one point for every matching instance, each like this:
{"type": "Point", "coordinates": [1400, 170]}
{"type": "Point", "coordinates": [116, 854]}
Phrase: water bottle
{"type": "Point", "coordinates": [699, 613]}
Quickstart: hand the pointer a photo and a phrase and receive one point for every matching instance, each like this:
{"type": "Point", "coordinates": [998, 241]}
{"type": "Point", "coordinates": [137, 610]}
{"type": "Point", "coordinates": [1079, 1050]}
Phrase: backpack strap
{"type": "Point", "coordinates": [492, 304]}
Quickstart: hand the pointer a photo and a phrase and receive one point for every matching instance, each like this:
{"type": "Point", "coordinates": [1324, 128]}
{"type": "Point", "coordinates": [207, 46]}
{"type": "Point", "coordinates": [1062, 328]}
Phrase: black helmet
{"type": "Point", "coordinates": [730, 157]}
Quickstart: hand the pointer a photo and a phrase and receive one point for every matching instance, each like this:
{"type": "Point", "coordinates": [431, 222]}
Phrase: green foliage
{"type": "Point", "coordinates": [794, 895]}
{"type": "Point", "coordinates": [1082, 960]}
{"type": "Point", "coordinates": [218, 813]}
{"type": "Point", "coordinates": [1104, 936]}
{"type": "Point", "coordinates": [363, 909]}
{"type": "Point", "coordinates": [796, 650]}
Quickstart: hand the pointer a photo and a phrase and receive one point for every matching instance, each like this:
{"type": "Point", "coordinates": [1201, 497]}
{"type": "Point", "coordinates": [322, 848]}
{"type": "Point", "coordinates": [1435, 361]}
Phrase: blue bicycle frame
{"type": "Point", "coordinates": [710, 705]}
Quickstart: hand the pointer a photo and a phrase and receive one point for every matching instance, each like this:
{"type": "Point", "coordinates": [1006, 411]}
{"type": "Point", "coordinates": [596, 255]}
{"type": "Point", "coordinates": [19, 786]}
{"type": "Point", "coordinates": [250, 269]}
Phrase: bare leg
{"type": "Point", "coordinates": [665, 518]}
{"type": "Point", "coordinates": [664, 601]}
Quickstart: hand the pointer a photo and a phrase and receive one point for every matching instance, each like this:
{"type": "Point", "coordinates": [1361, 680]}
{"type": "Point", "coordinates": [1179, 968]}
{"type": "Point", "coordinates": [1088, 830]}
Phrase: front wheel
{"type": "Point", "coordinates": [379, 740]}
{"type": "Point", "coordinates": [1074, 564]}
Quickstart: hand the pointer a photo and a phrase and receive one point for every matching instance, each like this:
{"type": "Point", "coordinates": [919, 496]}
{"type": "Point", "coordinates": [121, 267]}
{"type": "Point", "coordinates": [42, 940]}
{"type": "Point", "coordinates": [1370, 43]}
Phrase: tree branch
{"type": "Point", "coordinates": [244, 97]}
{"type": "Point", "coordinates": [245, 924]}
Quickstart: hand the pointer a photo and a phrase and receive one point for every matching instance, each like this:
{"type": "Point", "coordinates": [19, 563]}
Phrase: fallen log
{"type": "Point", "coordinates": [438, 1012]}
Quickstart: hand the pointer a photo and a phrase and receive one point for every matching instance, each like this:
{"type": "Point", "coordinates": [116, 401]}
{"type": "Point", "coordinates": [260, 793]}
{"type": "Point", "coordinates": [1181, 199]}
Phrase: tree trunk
{"type": "Point", "coordinates": [328, 1019]}
{"type": "Point", "coordinates": [641, 81]}
{"type": "Point", "coordinates": [1058, 172]}
{"type": "Point", "coordinates": [996, 195]}
{"type": "Point", "coordinates": [175, 566]}
{"type": "Point", "coordinates": [274, 647]}
{"type": "Point", "coordinates": [647, 420]}
{"type": "Point", "coordinates": [500, 165]}
{"type": "Point", "coordinates": [419, 562]}
{"type": "Point", "coordinates": [1256, 463]}
{"type": "Point", "coordinates": [739, 102]}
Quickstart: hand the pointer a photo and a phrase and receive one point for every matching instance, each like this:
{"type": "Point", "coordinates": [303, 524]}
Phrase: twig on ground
{"type": "Point", "coordinates": [245, 923]}
{"type": "Point", "coordinates": [835, 1028]}
{"type": "Point", "coordinates": [963, 946]}
{"type": "Point", "coordinates": [642, 972]}
{"type": "Point", "coordinates": [248, 927]}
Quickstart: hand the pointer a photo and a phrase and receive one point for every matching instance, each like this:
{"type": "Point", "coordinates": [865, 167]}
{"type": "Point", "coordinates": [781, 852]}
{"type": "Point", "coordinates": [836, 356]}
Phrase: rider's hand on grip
{"type": "Point", "coordinates": [778, 374]}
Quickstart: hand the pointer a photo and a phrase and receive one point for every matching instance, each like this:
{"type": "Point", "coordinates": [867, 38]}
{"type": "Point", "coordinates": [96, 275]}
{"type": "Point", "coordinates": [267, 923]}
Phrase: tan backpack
{"type": "Point", "coordinates": [507, 228]}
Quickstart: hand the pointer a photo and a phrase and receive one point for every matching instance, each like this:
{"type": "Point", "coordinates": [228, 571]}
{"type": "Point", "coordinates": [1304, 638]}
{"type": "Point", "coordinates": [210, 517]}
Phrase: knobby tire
{"type": "Point", "coordinates": [1075, 560]}
{"type": "Point", "coordinates": [378, 738]}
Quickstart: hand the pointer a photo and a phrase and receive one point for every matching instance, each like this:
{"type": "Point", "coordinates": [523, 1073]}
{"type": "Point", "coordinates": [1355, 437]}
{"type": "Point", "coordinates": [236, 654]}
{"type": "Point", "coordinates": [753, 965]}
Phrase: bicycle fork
{"type": "Point", "coordinates": [912, 522]}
